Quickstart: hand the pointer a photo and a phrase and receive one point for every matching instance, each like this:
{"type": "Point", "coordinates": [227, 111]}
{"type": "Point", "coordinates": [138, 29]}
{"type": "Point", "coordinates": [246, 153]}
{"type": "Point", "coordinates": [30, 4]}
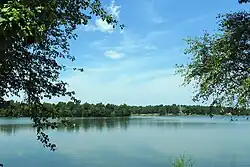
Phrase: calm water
{"type": "Point", "coordinates": [133, 142]}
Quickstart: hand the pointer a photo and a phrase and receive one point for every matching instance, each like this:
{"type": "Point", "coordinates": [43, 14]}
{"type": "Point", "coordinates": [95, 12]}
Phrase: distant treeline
{"type": "Point", "coordinates": [70, 109]}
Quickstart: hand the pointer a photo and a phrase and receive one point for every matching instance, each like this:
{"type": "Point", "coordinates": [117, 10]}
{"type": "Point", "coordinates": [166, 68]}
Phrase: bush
{"type": "Point", "coordinates": [182, 161]}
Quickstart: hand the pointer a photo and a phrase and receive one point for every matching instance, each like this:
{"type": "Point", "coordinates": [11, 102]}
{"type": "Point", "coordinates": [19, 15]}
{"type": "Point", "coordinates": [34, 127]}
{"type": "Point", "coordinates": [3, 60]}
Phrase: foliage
{"type": "Point", "coordinates": [244, 1]}
{"type": "Point", "coordinates": [34, 36]}
{"type": "Point", "coordinates": [70, 109]}
{"type": "Point", "coordinates": [220, 63]}
{"type": "Point", "coordinates": [181, 161]}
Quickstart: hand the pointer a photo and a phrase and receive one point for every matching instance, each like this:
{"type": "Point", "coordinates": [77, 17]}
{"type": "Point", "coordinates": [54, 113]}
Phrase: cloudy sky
{"type": "Point", "coordinates": [136, 66]}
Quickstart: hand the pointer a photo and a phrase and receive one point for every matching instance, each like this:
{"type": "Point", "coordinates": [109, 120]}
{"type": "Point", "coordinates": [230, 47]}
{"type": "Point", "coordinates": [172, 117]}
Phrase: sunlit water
{"type": "Point", "coordinates": [133, 142]}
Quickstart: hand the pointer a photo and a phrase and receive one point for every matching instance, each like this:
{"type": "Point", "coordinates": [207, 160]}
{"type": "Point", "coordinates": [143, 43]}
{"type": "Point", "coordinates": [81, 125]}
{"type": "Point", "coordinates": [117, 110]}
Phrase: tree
{"type": "Point", "coordinates": [220, 63]}
{"type": "Point", "coordinates": [34, 35]}
{"type": "Point", "coordinates": [244, 1]}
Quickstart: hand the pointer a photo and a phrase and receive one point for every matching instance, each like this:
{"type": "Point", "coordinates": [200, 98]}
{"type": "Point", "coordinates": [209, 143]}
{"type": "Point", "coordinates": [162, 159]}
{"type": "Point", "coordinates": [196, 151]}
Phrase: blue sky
{"type": "Point", "coordinates": [136, 65]}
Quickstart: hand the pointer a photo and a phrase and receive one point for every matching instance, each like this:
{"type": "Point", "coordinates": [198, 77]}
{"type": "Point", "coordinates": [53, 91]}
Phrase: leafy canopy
{"type": "Point", "coordinates": [34, 36]}
{"type": "Point", "coordinates": [220, 63]}
{"type": "Point", "coordinates": [244, 1]}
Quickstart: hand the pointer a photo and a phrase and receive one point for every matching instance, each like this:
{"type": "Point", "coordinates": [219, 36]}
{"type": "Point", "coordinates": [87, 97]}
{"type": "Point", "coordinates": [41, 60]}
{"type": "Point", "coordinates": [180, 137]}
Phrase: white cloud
{"type": "Point", "coordinates": [150, 47]}
{"type": "Point", "coordinates": [113, 54]}
{"type": "Point", "coordinates": [155, 87]}
{"type": "Point", "coordinates": [131, 42]}
{"type": "Point", "coordinates": [195, 19]}
{"type": "Point", "coordinates": [156, 34]}
{"type": "Point", "coordinates": [100, 25]}
{"type": "Point", "coordinates": [152, 12]}
{"type": "Point", "coordinates": [131, 81]}
{"type": "Point", "coordinates": [103, 26]}
{"type": "Point", "coordinates": [114, 9]}
{"type": "Point", "coordinates": [89, 27]}
{"type": "Point", "coordinates": [157, 20]}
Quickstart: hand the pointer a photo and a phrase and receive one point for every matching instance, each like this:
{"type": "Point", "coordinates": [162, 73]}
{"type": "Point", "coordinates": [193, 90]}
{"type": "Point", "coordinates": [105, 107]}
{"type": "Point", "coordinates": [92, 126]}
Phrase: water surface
{"type": "Point", "coordinates": [133, 142]}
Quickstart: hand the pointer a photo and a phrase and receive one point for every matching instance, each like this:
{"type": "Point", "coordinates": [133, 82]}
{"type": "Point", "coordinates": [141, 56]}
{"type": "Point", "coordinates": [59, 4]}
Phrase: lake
{"type": "Point", "coordinates": [129, 142]}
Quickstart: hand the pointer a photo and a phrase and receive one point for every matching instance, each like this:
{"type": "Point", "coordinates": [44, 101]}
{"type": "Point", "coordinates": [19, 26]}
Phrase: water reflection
{"type": "Point", "coordinates": [80, 124]}
{"type": "Point", "coordinates": [144, 141]}
{"type": "Point", "coordinates": [11, 129]}
{"type": "Point", "coordinates": [101, 124]}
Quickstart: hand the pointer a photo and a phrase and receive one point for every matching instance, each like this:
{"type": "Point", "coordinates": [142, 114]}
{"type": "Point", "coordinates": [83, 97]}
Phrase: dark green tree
{"type": "Point", "coordinates": [34, 35]}
{"type": "Point", "coordinates": [244, 1]}
{"type": "Point", "coordinates": [220, 62]}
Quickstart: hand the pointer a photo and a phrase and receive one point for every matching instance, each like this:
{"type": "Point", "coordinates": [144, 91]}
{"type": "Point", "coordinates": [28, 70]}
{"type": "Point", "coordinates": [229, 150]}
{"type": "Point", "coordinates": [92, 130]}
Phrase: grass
{"type": "Point", "coordinates": [182, 161]}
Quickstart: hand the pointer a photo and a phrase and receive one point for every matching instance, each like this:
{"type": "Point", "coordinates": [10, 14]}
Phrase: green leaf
{"type": "Point", "coordinates": [37, 73]}
{"type": "Point", "coordinates": [220, 62]}
{"type": "Point", "coordinates": [2, 19]}
{"type": "Point", "coordinates": [11, 18]}
{"type": "Point", "coordinates": [4, 10]}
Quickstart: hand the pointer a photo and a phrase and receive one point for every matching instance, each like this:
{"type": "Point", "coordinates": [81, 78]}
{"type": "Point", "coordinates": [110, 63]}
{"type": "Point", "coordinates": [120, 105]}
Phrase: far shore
{"type": "Point", "coordinates": [156, 114]}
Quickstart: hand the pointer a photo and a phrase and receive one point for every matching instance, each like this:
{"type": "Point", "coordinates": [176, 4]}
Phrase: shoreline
{"type": "Point", "coordinates": [173, 115]}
